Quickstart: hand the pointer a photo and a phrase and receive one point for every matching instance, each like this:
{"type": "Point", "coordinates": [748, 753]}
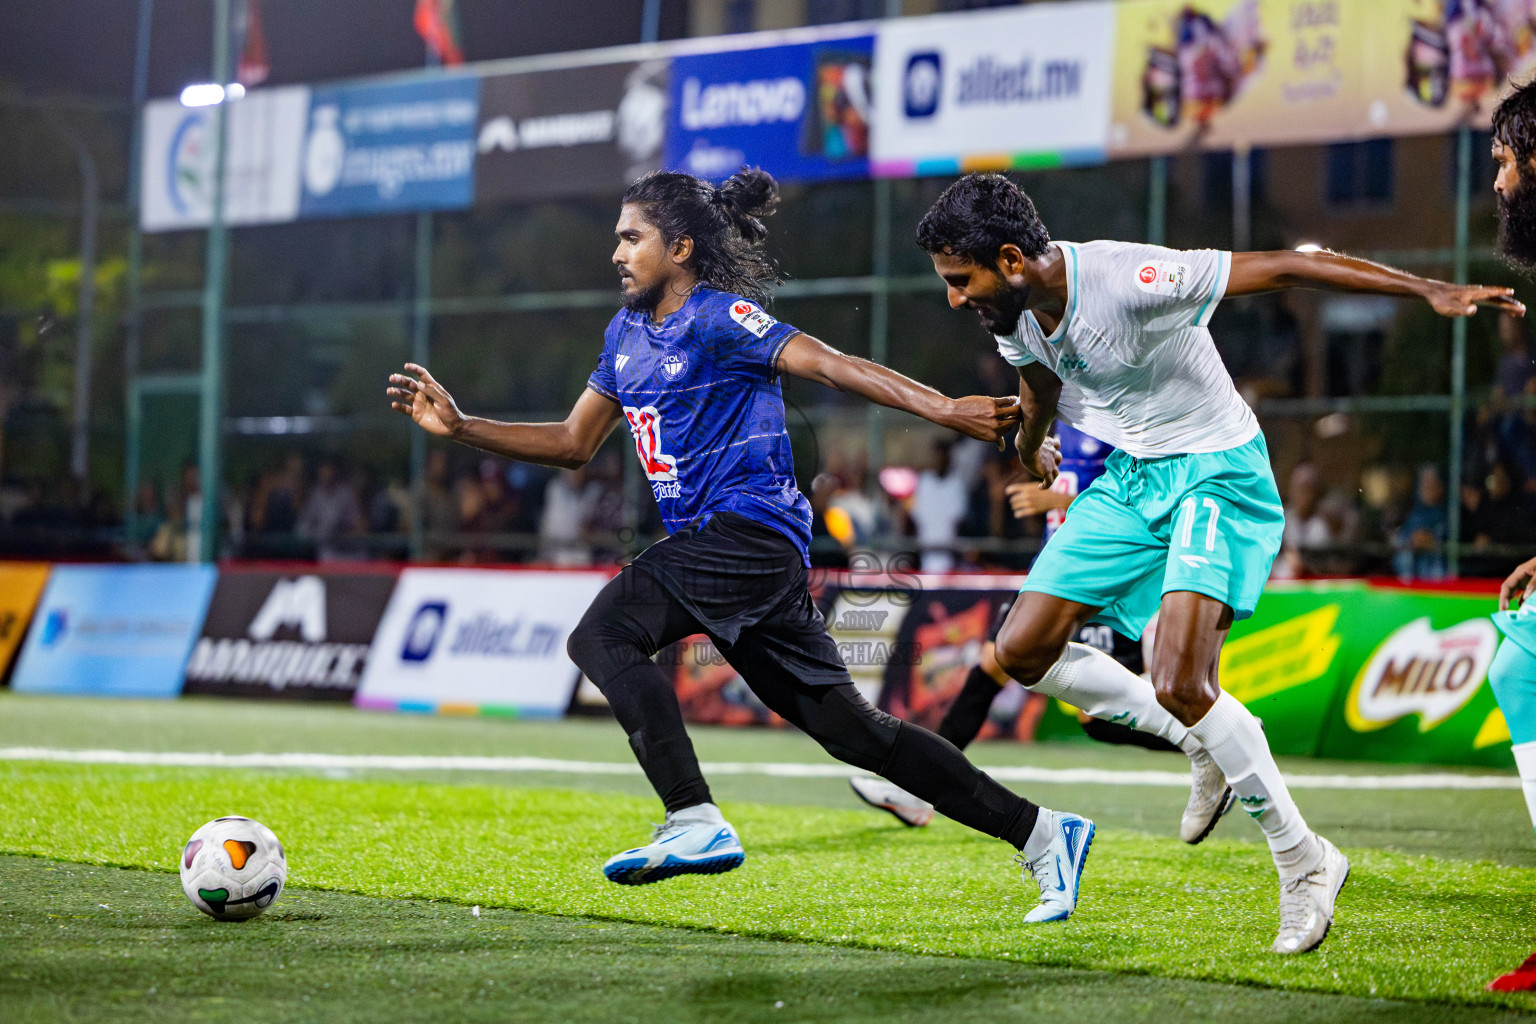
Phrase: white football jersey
{"type": "Point", "coordinates": [1138, 367]}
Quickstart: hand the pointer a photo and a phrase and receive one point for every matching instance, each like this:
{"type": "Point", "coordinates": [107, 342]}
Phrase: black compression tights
{"type": "Point", "coordinates": [630, 622]}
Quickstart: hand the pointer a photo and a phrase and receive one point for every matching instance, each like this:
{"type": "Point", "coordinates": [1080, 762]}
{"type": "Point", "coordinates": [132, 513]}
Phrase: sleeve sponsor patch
{"type": "Point", "coordinates": [1163, 277]}
{"type": "Point", "coordinates": [752, 318]}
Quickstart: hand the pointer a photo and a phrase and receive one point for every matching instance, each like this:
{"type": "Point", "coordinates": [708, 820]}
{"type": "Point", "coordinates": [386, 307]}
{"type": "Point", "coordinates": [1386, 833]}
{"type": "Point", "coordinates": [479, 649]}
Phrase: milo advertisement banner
{"type": "Point", "coordinates": [1371, 673]}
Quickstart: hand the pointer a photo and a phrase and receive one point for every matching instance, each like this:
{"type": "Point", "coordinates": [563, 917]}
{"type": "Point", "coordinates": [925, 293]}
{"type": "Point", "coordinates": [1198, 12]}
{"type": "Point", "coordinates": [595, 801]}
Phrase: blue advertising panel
{"type": "Point", "coordinates": [384, 148]}
{"type": "Point", "coordinates": [800, 112]}
{"type": "Point", "coordinates": [115, 630]}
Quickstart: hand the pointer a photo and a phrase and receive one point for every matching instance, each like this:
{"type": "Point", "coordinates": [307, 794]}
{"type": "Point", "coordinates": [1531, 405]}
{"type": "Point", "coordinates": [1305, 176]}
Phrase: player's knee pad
{"type": "Point", "coordinates": [853, 731]}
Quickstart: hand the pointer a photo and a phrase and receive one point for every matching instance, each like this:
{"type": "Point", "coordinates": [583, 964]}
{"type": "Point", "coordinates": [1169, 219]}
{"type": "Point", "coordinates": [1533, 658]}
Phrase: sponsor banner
{"type": "Point", "coordinates": [475, 640]}
{"type": "Point", "coordinates": [387, 148]}
{"type": "Point", "coordinates": [543, 134]}
{"type": "Point", "coordinates": [21, 584]}
{"type": "Point", "coordinates": [1220, 74]}
{"type": "Point", "coordinates": [263, 140]}
{"type": "Point", "coordinates": [801, 113]}
{"type": "Point", "coordinates": [115, 630]}
{"type": "Point", "coordinates": [300, 637]}
{"type": "Point", "coordinates": [1024, 87]}
{"type": "Point", "coordinates": [937, 642]}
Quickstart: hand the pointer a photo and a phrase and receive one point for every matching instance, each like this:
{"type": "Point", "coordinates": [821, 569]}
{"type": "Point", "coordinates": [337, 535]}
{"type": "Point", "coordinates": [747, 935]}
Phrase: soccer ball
{"type": "Point", "coordinates": [233, 868]}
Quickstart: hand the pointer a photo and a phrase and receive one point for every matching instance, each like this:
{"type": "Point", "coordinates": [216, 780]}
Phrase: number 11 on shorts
{"type": "Point", "coordinates": [1189, 511]}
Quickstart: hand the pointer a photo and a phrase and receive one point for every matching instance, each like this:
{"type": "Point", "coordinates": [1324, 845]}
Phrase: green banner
{"type": "Point", "coordinates": [1361, 672]}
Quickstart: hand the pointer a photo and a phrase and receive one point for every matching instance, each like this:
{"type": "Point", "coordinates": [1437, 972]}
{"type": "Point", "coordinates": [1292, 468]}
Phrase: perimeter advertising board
{"type": "Point", "coordinates": [21, 584]}
{"type": "Point", "coordinates": [115, 630]}
{"type": "Point", "coordinates": [383, 148]}
{"type": "Point", "coordinates": [1217, 74]}
{"type": "Point", "coordinates": [476, 640]}
{"type": "Point", "coordinates": [543, 134]}
{"type": "Point", "coordinates": [1023, 87]}
{"type": "Point", "coordinates": [291, 636]}
{"type": "Point", "coordinates": [264, 138]}
{"type": "Point", "coordinates": [801, 113]}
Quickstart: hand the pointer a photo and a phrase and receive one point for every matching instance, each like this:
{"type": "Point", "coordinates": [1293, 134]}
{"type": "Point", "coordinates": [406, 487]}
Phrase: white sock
{"type": "Point", "coordinates": [1040, 836]}
{"type": "Point", "coordinates": [698, 814]}
{"type": "Point", "coordinates": [1087, 678]}
{"type": "Point", "coordinates": [1525, 762]}
{"type": "Point", "coordinates": [1231, 735]}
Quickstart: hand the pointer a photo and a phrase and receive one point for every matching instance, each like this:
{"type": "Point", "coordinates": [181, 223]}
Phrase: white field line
{"type": "Point", "coordinates": [420, 763]}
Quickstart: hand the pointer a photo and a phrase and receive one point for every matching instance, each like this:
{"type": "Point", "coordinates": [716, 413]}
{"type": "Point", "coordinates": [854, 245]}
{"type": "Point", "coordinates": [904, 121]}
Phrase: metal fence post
{"type": "Point", "coordinates": [1458, 354]}
{"type": "Point", "coordinates": [210, 462]}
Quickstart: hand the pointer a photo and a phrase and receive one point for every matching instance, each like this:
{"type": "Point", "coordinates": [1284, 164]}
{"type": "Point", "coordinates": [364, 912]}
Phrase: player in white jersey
{"type": "Point", "coordinates": [1186, 520]}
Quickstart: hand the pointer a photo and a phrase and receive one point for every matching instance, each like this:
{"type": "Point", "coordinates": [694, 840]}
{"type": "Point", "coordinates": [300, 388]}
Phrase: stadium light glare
{"type": "Point", "coordinates": [204, 94]}
{"type": "Point", "coordinates": [1309, 247]}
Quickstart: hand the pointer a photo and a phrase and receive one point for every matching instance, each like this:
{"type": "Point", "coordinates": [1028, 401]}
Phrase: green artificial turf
{"type": "Point", "coordinates": [1408, 927]}
{"type": "Point", "coordinates": [101, 944]}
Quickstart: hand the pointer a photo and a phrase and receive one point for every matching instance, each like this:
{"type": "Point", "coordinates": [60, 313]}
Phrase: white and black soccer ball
{"type": "Point", "coordinates": [233, 868]}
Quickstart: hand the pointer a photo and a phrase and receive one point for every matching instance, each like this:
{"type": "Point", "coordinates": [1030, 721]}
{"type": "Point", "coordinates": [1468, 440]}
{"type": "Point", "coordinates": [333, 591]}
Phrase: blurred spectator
{"type": "Point", "coordinates": [1494, 515]}
{"type": "Point", "coordinates": [1317, 528]}
{"type": "Point", "coordinates": [1514, 425]}
{"type": "Point", "coordinates": [853, 499]}
{"type": "Point", "coordinates": [389, 508]}
{"type": "Point", "coordinates": [1420, 541]}
{"type": "Point", "coordinates": [938, 506]}
{"type": "Point", "coordinates": [439, 509]}
{"type": "Point", "coordinates": [570, 501]}
{"type": "Point", "coordinates": [831, 528]}
{"type": "Point", "coordinates": [331, 514]}
{"type": "Point", "coordinates": [192, 515]}
{"type": "Point", "coordinates": [148, 516]}
{"type": "Point", "coordinates": [278, 497]}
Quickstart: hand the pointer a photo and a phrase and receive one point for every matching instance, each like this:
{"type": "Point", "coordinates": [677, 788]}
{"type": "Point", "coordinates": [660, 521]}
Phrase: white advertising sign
{"type": "Point", "coordinates": [264, 139]}
{"type": "Point", "coordinates": [478, 639]}
{"type": "Point", "coordinates": [990, 90]}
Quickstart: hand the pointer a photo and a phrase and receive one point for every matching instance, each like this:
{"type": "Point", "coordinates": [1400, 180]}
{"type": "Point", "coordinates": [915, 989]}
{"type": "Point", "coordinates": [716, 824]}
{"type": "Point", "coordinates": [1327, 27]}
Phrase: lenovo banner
{"type": "Point", "coordinates": [478, 640]}
{"type": "Point", "coordinates": [576, 130]}
{"type": "Point", "coordinates": [115, 630]}
{"type": "Point", "coordinates": [801, 113]}
{"type": "Point", "coordinates": [383, 148]}
{"type": "Point", "coordinates": [300, 637]}
{"type": "Point", "coordinates": [990, 90]}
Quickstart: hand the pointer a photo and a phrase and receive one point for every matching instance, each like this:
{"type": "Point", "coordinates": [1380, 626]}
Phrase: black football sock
{"type": "Point", "coordinates": [1114, 732]}
{"type": "Point", "coordinates": [646, 706]}
{"type": "Point", "coordinates": [965, 717]}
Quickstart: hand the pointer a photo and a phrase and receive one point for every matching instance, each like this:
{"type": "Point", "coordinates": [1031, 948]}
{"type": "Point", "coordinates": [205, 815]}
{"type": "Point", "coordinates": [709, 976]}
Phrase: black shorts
{"type": "Point", "coordinates": [746, 586]}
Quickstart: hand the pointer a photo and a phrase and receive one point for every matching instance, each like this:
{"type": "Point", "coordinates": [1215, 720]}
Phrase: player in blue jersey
{"type": "Point", "coordinates": [692, 364]}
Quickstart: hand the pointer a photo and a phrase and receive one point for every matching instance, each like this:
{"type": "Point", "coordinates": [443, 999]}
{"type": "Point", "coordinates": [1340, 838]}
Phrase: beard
{"type": "Point", "coordinates": [644, 300]}
{"type": "Point", "coordinates": [1003, 318]}
{"type": "Point", "coordinates": [1517, 229]}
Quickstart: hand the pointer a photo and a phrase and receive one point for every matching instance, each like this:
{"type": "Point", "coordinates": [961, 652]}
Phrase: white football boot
{"type": "Point", "coordinates": [683, 845]}
{"type": "Point", "coordinates": [1306, 902]}
{"type": "Point", "coordinates": [888, 796]}
{"type": "Point", "coordinates": [1209, 798]}
{"type": "Point", "coordinates": [1059, 870]}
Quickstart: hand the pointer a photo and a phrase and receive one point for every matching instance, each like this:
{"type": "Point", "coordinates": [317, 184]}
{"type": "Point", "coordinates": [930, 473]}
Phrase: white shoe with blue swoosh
{"type": "Point", "coordinates": [1059, 870]}
{"type": "Point", "coordinates": [679, 848]}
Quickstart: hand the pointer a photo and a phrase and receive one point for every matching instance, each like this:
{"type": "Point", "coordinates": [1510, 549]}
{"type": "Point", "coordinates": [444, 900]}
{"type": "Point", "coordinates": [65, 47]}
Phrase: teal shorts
{"type": "Point", "coordinates": [1519, 625]}
{"type": "Point", "coordinates": [1210, 523]}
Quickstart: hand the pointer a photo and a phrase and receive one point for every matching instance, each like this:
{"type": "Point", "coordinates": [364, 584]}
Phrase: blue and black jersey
{"type": "Point", "coordinates": [701, 393]}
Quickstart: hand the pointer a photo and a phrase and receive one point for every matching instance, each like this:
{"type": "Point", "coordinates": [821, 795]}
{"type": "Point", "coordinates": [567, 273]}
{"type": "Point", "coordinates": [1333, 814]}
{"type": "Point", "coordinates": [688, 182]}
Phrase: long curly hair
{"type": "Point", "coordinates": [724, 223]}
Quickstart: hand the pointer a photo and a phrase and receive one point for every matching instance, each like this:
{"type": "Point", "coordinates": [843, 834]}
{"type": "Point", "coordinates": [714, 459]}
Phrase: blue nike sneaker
{"type": "Point", "coordinates": [1059, 870]}
{"type": "Point", "coordinates": [680, 847]}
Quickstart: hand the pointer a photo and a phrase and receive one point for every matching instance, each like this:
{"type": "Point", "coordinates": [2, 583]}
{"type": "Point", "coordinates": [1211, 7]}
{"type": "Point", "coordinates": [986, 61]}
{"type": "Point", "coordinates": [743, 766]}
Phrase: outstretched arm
{"type": "Point", "coordinates": [1039, 391]}
{"type": "Point", "coordinates": [1255, 272]}
{"type": "Point", "coordinates": [987, 419]}
{"type": "Point", "coordinates": [566, 445]}
{"type": "Point", "coordinates": [1520, 586]}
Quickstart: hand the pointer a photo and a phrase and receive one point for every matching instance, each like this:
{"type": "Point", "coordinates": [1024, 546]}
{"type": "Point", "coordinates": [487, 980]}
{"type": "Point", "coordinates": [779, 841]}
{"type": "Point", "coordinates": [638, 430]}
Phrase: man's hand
{"type": "Point", "coordinates": [1045, 463]}
{"type": "Point", "coordinates": [984, 418]}
{"type": "Point", "coordinates": [425, 401]}
{"type": "Point", "coordinates": [1463, 299]}
{"type": "Point", "coordinates": [1521, 583]}
{"type": "Point", "coordinates": [1028, 500]}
